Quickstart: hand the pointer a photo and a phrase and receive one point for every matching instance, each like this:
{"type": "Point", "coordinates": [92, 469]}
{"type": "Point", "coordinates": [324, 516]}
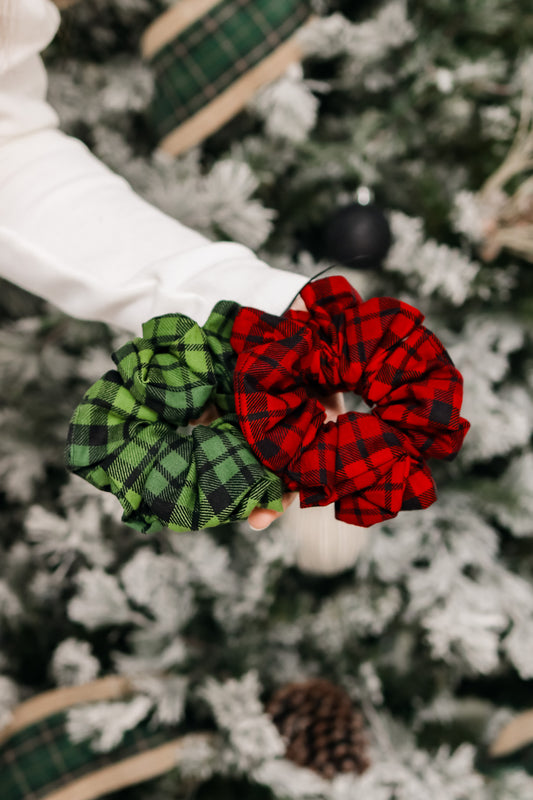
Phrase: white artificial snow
{"type": "Point", "coordinates": [103, 724]}
{"type": "Point", "coordinates": [100, 601]}
{"type": "Point", "coordinates": [73, 664]}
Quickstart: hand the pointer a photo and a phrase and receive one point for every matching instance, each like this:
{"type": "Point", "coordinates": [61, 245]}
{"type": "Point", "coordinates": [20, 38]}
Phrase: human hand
{"type": "Point", "coordinates": [261, 518]}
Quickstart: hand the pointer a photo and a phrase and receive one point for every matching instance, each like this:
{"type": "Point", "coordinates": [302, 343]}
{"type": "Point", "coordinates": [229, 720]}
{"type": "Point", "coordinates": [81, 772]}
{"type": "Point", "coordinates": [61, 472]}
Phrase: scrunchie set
{"type": "Point", "coordinates": [268, 375]}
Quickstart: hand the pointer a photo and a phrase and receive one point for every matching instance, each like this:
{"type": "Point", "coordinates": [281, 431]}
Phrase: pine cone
{"type": "Point", "coordinates": [321, 727]}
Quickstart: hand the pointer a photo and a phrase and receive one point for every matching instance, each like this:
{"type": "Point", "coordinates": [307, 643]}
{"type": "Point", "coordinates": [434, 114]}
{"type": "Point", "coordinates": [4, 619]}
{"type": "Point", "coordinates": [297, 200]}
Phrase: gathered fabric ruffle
{"type": "Point", "coordinates": [128, 435]}
{"type": "Point", "coordinates": [371, 465]}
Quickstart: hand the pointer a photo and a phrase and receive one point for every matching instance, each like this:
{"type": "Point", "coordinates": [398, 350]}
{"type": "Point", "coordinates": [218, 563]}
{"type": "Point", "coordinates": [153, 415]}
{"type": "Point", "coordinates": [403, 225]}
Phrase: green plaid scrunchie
{"type": "Point", "coordinates": [127, 435]}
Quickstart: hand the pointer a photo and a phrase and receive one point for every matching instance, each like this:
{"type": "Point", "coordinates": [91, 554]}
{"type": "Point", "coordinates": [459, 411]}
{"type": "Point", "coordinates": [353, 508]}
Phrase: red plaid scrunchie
{"type": "Point", "coordinates": [371, 465]}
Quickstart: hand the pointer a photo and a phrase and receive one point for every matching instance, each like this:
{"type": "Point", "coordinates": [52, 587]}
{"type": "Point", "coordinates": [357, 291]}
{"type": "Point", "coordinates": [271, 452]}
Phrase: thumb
{"type": "Point", "coordinates": [260, 518]}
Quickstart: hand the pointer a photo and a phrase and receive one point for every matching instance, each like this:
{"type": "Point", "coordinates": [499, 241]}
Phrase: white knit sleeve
{"type": "Point", "coordinates": [74, 233]}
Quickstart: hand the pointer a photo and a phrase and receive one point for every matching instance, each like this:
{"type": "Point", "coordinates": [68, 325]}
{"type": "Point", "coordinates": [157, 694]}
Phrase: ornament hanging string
{"type": "Point", "coordinates": [322, 272]}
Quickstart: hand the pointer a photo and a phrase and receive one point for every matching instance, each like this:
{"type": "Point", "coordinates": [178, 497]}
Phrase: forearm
{"type": "Point", "coordinates": [76, 234]}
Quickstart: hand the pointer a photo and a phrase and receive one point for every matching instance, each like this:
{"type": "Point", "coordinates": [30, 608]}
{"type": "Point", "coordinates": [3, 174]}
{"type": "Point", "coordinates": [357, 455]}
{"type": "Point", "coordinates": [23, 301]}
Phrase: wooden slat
{"type": "Point", "coordinates": [128, 772]}
{"type": "Point", "coordinates": [230, 102]}
{"type": "Point", "coordinates": [48, 703]}
{"type": "Point", "coordinates": [514, 735]}
{"type": "Point", "coordinates": [170, 24]}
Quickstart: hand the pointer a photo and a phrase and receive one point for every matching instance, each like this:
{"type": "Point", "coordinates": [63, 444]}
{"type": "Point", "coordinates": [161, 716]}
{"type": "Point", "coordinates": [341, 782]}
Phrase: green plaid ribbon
{"type": "Point", "coordinates": [127, 435]}
{"type": "Point", "coordinates": [42, 759]}
{"type": "Point", "coordinates": [216, 50]}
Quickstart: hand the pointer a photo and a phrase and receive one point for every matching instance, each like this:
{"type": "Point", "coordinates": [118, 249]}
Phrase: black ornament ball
{"type": "Point", "coordinates": [358, 236]}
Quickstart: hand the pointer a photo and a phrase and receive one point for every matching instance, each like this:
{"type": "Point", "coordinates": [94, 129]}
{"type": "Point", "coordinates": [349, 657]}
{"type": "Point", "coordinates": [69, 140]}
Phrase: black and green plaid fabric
{"type": "Point", "coordinates": [41, 758]}
{"type": "Point", "coordinates": [127, 435]}
{"type": "Point", "coordinates": [216, 50]}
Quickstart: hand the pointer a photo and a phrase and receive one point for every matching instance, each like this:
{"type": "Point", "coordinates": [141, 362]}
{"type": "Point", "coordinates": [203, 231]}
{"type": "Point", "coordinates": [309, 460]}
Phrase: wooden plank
{"type": "Point", "coordinates": [230, 102]}
{"type": "Point", "coordinates": [128, 772]}
{"type": "Point", "coordinates": [170, 24]}
{"type": "Point", "coordinates": [48, 703]}
{"type": "Point", "coordinates": [515, 735]}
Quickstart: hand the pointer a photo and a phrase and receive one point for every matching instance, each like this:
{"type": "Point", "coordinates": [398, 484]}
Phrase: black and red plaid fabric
{"type": "Point", "coordinates": [371, 465]}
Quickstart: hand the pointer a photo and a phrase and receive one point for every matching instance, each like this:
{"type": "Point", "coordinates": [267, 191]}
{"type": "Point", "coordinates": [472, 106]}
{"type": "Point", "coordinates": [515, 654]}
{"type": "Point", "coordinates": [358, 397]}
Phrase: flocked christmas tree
{"type": "Point", "coordinates": [431, 633]}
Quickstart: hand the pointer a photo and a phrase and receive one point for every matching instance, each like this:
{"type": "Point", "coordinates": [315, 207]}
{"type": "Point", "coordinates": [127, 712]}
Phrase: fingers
{"type": "Point", "coordinates": [334, 405]}
{"type": "Point", "coordinates": [298, 304]}
{"type": "Point", "coordinates": [261, 518]}
{"type": "Point", "coordinates": [209, 414]}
